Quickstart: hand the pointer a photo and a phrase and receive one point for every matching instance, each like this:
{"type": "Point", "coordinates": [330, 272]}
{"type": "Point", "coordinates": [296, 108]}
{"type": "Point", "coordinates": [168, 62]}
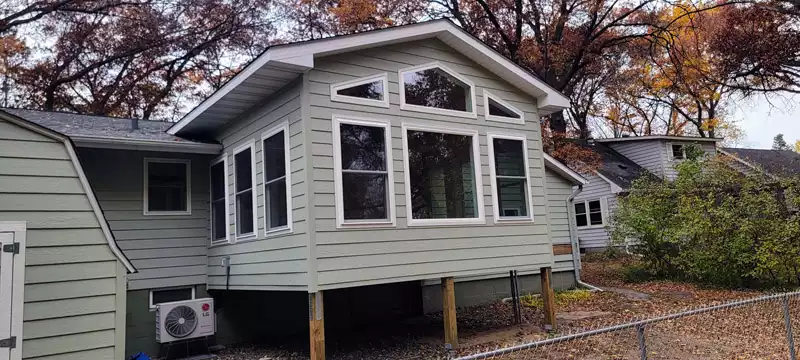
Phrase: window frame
{"type": "Point", "coordinates": [473, 113]}
{"type": "Point", "coordinates": [391, 220]}
{"type": "Point", "coordinates": [146, 171]}
{"type": "Point", "coordinates": [476, 156]}
{"type": "Point", "coordinates": [251, 145]}
{"type": "Point", "coordinates": [498, 217]}
{"type": "Point", "coordinates": [489, 117]}
{"type": "Point", "coordinates": [382, 77]}
{"type": "Point", "coordinates": [671, 154]}
{"type": "Point", "coordinates": [284, 126]}
{"type": "Point", "coordinates": [226, 183]}
{"type": "Point", "coordinates": [153, 306]}
{"type": "Point", "coordinates": [588, 212]}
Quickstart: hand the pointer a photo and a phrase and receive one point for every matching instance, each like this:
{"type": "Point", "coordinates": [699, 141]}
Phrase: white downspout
{"type": "Point", "coordinates": [573, 236]}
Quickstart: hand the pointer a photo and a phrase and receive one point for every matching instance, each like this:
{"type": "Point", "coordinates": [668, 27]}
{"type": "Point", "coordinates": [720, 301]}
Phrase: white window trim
{"type": "Point", "coordinates": [586, 202]}
{"type": "Point", "coordinates": [153, 306]}
{"type": "Point", "coordinates": [476, 155]}
{"type": "Point", "coordinates": [489, 117]}
{"type": "Point", "coordinates": [224, 160]}
{"type": "Point", "coordinates": [383, 78]}
{"type": "Point", "coordinates": [284, 126]}
{"type": "Point", "coordinates": [252, 146]}
{"type": "Point", "coordinates": [669, 151]}
{"type": "Point", "coordinates": [188, 164]}
{"type": "Point", "coordinates": [391, 221]}
{"type": "Point", "coordinates": [498, 218]}
{"type": "Point", "coordinates": [410, 107]}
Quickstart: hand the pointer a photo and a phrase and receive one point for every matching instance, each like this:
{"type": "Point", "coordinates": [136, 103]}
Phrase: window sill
{"type": "Point", "coordinates": [513, 220]}
{"type": "Point", "coordinates": [446, 222]}
{"type": "Point", "coordinates": [506, 120]}
{"type": "Point", "coordinates": [284, 230]}
{"type": "Point", "coordinates": [366, 224]}
{"type": "Point", "coordinates": [589, 227]}
{"type": "Point", "coordinates": [166, 213]}
{"type": "Point", "coordinates": [219, 243]}
{"type": "Point", "coordinates": [360, 101]}
{"type": "Point", "coordinates": [438, 111]}
{"type": "Point", "coordinates": [246, 237]}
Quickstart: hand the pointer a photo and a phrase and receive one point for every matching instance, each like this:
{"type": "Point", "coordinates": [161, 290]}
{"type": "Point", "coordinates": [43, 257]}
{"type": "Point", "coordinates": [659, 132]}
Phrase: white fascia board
{"type": "Point", "coordinates": [616, 189]}
{"type": "Point", "coordinates": [103, 142]}
{"type": "Point", "coordinates": [659, 137]}
{"type": "Point", "coordinates": [563, 170]}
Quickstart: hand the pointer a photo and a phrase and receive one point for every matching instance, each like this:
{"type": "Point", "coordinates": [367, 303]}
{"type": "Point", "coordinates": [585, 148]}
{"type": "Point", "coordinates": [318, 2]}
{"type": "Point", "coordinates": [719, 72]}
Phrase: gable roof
{"type": "Point", "coordinates": [658, 137]}
{"type": "Point", "coordinates": [615, 168]}
{"type": "Point", "coordinates": [562, 169]}
{"type": "Point", "coordinates": [282, 64]}
{"type": "Point", "coordinates": [774, 162]}
{"type": "Point", "coordinates": [105, 131]}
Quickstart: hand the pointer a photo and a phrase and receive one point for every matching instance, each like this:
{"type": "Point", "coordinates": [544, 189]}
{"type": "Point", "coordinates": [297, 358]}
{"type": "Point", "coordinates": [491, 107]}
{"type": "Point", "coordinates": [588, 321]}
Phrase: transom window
{"type": "Point", "coordinates": [167, 189]}
{"type": "Point", "coordinates": [244, 179]}
{"type": "Point", "coordinates": [437, 89]}
{"type": "Point", "coordinates": [219, 200]}
{"type": "Point", "coordinates": [442, 177]}
{"type": "Point", "coordinates": [509, 169]}
{"type": "Point", "coordinates": [363, 172]}
{"type": "Point", "coordinates": [677, 152]}
{"type": "Point", "coordinates": [277, 183]}
{"type": "Point", "coordinates": [496, 109]}
{"type": "Point", "coordinates": [364, 91]}
{"type": "Point", "coordinates": [588, 213]}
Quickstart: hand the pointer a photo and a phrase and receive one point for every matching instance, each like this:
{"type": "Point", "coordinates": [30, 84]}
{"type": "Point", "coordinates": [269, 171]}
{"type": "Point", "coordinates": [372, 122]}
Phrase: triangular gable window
{"type": "Point", "coordinates": [364, 91]}
{"type": "Point", "coordinates": [499, 110]}
{"type": "Point", "coordinates": [434, 88]}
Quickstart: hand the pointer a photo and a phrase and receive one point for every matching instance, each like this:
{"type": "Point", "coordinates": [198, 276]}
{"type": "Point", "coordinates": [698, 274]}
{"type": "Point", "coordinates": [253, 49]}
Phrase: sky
{"type": "Point", "coordinates": [762, 118]}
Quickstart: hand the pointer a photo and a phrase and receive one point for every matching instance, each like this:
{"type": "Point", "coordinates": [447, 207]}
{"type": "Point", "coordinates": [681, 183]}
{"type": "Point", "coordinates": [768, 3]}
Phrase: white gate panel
{"type": "Point", "coordinates": [12, 283]}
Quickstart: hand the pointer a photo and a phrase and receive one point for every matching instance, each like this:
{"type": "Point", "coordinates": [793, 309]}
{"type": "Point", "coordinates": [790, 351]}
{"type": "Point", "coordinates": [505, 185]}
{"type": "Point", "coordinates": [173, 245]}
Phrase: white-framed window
{"type": "Point", "coordinates": [508, 163]}
{"type": "Point", "coordinates": [495, 109]}
{"type": "Point", "coordinates": [442, 176]}
{"type": "Point", "coordinates": [167, 186]}
{"type": "Point", "coordinates": [435, 88]}
{"type": "Point", "coordinates": [676, 151]}
{"type": "Point", "coordinates": [589, 213]}
{"type": "Point", "coordinates": [370, 91]}
{"type": "Point", "coordinates": [277, 180]}
{"type": "Point", "coordinates": [244, 187]}
{"type": "Point", "coordinates": [171, 295]}
{"type": "Point", "coordinates": [219, 200]}
{"type": "Point", "coordinates": [363, 173]}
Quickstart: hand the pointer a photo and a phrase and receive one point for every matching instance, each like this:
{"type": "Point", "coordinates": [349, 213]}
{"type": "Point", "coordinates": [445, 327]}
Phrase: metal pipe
{"type": "Point", "coordinates": [642, 344]}
{"type": "Point", "coordinates": [573, 238]}
{"type": "Point", "coordinates": [788, 320]}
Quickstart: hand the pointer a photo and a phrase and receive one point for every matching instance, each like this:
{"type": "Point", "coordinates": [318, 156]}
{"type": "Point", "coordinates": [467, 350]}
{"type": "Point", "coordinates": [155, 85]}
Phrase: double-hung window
{"type": "Point", "coordinates": [219, 200]}
{"type": "Point", "coordinates": [443, 176]}
{"type": "Point", "coordinates": [167, 189]}
{"type": "Point", "coordinates": [509, 167]}
{"type": "Point", "coordinates": [277, 183]}
{"type": "Point", "coordinates": [588, 213]}
{"type": "Point", "coordinates": [363, 166]}
{"type": "Point", "coordinates": [244, 165]}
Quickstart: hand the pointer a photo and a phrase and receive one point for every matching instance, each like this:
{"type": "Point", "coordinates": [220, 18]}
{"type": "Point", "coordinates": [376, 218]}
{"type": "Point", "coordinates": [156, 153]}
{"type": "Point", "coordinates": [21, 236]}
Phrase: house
{"type": "Point", "coordinates": [402, 164]}
{"type": "Point", "coordinates": [776, 163]}
{"type": "Point", "coordinates": [622, 161]}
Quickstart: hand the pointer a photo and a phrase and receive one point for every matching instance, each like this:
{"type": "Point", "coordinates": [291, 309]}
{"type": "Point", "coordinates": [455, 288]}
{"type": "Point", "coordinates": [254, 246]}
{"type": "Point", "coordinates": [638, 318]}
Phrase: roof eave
{"type": "Point", "coordinates": [104, 142]}
{"type": "Point", "coordinates": [562, 169]}
{"type": "Point", "coordinates": [658, 137]}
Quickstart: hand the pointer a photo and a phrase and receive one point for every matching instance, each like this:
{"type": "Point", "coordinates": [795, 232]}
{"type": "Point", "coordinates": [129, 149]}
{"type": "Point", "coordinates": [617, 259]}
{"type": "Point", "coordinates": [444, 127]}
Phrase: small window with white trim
{"type": "Point", "coordinates": [588, 213]}
{"type": "Point", "coordinates": [495, 109]}
{"type": "Point", "coordinates": [364, 91]}
{"type": "Point", "coordinates": [435, 88]}
{"type": "Point", "coordinates": [171, 295]}
{"type": "Point", "coordinates": [218, 174]}
{"type": "Point", "coordinates": [244, 164]}
{"type": "Point", "coordinates": [277, 179]}
{"type": "Point", "coordinates": [363, 165]}
{"type": "Point", "coordinates": [509, 170]}
{"type": "Point", "coordinates": [443, 177]}
{"type": "Point", "coordinates": [677, 151]}
{"type": "Point", "coordinates": [167, 189]}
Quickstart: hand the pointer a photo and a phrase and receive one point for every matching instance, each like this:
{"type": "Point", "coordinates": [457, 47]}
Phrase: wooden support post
{"type": "Point", "coordinates": [548, 299]}
{"type": "Point", "coordinates": [316, 326]}
{"type": "Point", "coordinates": [449, 313]}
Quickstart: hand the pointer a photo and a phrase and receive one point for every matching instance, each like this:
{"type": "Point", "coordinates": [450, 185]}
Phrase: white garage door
{"type": "Point", "coordinates": [12, 267]}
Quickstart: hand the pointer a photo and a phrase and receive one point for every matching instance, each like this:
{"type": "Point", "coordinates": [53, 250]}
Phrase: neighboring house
{"type": "Point", "coordinates": [622, 161]}
{"type": "Point", "coordinates": [369, 167]}
{"type": "Point", "coordinates": [776, 163]}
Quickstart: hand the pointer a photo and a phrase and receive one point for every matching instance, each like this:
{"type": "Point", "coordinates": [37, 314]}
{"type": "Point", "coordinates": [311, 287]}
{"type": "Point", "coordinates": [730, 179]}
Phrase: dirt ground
{"type": "Point", "coordinates": [751, 332]}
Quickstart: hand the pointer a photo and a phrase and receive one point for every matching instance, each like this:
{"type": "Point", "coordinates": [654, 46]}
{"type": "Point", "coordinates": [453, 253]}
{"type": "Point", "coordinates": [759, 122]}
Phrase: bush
{"type": "Point", "coordinates": [714, 225]}
{"type": "Point", "coordinates": [637, 273]}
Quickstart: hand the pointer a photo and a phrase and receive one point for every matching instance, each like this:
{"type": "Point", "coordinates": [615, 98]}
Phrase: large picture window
{"type": "Point", "coordinates": [443, 181]}
{"type": "Point", "coordinates": [588, 213]}
{"type": "Point", "coordinates": [509, 167]}
{"type": "Point", "coordinates": [219, 200]}
{"type": "Point", "coordinates": [434, 88]}
{"type": "Point", "coordinates": [364, 193]}
{"type": "Point", "coordinates": [244, 179]}
{"type": "Point", "coordinates": [167, 189]}
{"type": "Point", "coordinates": [277, 183]}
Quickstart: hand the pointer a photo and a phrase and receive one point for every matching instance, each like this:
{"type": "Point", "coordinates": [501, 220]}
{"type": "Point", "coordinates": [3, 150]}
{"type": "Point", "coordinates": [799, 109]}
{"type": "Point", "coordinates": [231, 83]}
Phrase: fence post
{"type": "Point", "coordinates": [788, 320]}
{"type": "Point", "coordinates": [642, 345]}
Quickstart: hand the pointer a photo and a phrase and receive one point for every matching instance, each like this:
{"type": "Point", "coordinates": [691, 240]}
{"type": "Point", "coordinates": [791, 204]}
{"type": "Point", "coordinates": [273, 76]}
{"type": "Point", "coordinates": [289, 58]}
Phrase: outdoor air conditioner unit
{"type": "Point", "coordinates": [184, 320]}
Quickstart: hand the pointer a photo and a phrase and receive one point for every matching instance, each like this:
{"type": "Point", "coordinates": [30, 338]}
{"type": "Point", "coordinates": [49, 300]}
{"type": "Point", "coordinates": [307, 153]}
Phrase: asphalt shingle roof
{"type": "Point", "coordinates": [616, 167]}
{"type": "Point", "coordinates": [92, 125]}
{"type": "Point", "coordinates": [775, 162]}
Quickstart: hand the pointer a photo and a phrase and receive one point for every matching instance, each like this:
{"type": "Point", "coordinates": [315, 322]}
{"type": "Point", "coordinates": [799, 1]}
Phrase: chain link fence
{"type": "Point", "coordinates": [756, 328]}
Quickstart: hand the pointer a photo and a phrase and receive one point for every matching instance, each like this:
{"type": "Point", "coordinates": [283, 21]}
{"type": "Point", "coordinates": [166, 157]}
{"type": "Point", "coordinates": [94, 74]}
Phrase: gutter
{"type": "Point", "coordinates": [107, 142]}
{"type": "Point", "coordinates": [573, 237]}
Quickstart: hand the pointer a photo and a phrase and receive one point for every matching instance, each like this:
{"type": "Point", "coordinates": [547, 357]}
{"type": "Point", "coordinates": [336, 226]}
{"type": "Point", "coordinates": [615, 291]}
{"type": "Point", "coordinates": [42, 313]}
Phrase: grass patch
{"type": "Point", "coordinates": [564, 297]}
